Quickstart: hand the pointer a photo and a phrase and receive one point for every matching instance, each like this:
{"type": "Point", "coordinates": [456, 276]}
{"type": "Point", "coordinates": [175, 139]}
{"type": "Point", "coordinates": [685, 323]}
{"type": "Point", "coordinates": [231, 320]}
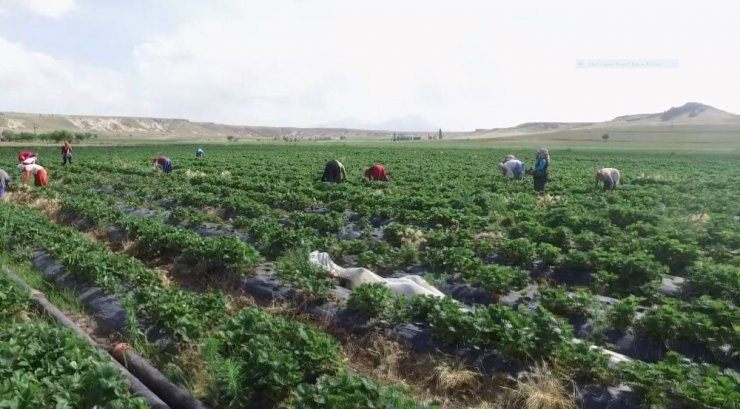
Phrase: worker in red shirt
{"type": "Point", "coordinates": [376, 172]}
{"type": "Point", "coordinates": [162, 162]}
{"type": "Point", "coordinates": [27, 158]}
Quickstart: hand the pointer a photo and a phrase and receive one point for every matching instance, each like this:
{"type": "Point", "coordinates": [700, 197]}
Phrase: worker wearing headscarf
{"type": "Point", "coordinates": [4, 182]}
{"type": "Point", "coordinates": [27, 158]}
{"type": "Point", "coordinates": [609, 177]}
{"type": "Point", "coordinates": [334, 172]}
{"type": "Point", "coordinates": [66, 153]}
{"type": "Point", "coordinates": [376, 172]}
{"type": "Point", "coordinates": [199, 153]}
{"type": "Point", "coordinates": [40, 177]}
{"type": "Point", "coordinates": [512, 167]}
{"type": "Point", "coordinates": [162, 162]}
{"type": "Point", "coordinates": [542, 163]}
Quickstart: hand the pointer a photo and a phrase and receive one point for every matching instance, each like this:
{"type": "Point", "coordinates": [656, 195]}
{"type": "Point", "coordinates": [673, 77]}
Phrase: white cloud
{"type": "Point", "coordinates": [36, 82]}
{"type": "Point", "coordinates": [46, 8]}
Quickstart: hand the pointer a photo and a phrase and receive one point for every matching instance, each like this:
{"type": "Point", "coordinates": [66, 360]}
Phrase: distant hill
{"type": "Point", "coordinates": [692, 115]}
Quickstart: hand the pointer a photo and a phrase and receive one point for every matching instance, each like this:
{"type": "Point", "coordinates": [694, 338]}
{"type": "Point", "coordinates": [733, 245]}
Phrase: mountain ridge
{"type": "Point", "coordinates": [691, 113]}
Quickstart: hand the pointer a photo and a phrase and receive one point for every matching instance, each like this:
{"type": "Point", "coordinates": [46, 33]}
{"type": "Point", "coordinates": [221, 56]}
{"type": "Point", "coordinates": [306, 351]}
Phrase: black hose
{"type": "Point", "coordinates": [44, 305]}
{"type": "Point", "coordinates": [175, 396]}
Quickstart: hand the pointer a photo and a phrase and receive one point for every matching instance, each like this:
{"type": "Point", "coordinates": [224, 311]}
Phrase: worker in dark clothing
{"type": "Point", "coordinates": [334, 172]}
{"type": "Point", "coordinates": [540, 170]}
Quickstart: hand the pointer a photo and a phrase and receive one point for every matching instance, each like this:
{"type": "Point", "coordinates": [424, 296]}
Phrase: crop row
{"type": "Point", "coordinates": [288, 352]}
{"type": "Point", "coordinates": [45, 366]}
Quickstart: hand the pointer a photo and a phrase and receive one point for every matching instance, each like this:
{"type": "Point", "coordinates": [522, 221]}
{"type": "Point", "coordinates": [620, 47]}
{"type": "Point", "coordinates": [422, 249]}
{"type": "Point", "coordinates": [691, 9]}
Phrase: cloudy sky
{"type": "Point", "coordinates": [401, 64]}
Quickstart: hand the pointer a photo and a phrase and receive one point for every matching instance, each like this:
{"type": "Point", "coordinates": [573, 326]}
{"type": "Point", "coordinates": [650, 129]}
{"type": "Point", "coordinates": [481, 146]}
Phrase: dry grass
{"type": "Point", "coordinates": [413, 237]}
{"type": "Point", "coordinates": [190, 361]}
{"type": "Point", "coordinates": [194, 173]}
{"type": "Point", "coordinates": [378, 356]}
{"type": "Point", "coordinates": [548, 200]}
{"type": "Point", "coordinates": [48, 206]}
{"type": "Point", "coordinates": [453, 377]}
{"type": "Point", "coordinates": [541, 388]}
{"type": "Point", "coordinates": [700, 219]}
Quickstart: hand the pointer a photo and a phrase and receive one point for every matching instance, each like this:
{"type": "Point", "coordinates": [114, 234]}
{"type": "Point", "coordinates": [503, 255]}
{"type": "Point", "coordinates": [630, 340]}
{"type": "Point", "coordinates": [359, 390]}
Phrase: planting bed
{"type": "Point", "coordinates": [651, 271]}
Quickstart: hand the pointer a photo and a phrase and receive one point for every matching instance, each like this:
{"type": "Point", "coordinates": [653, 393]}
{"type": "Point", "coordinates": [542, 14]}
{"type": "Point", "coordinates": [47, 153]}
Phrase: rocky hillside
{"type": "Point", "coordinates": [692, 113]}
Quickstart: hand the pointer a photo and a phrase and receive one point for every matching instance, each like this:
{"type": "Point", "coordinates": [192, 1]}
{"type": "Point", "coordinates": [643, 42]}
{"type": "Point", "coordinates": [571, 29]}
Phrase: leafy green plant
{"type": "Point", "coordinates": [295, 268]}
{"type": "Point", "coordinates": [559, 301]}
{"type": "Point", "coordinates": [346, 390]}
{"type": "Point", "coordinates": [622, 313]}
{"type": "Point", "coordinates": [519, 251]}
{"type": "Point", "coordinates": [372, 300]}
{"type": "Point", "coordinates": [548, 254]}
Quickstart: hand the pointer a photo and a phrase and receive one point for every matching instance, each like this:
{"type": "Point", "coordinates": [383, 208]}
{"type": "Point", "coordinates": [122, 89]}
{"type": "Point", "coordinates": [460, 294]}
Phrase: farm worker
{"type": "Point", "coordinates": [199, 153]}
{"type": "Point", "coordinates": [376, 172]}
{"type": "Point", "coordinates": [39, 174]}
{"type": "Point", "coordinates": [539, 174]}
{"type": "Point", "coordinates": [66, 153]}
{"type": "Point", "coordinates": [334, 172]}
{"type": "Point", "coordinates": [512, 167]}
{"type": "Point", "coordinates": [609, 177]}
{"type": "Point", "coordinates": [27, 158]}
{"type": "Point", "coordinates": [4, 182]}
{"type": "Point", "coordinates": [162, 162]}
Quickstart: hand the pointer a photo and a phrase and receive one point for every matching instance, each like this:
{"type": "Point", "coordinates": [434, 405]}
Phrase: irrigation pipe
{"type": "Point", "coordinates": [136, 386]}
{"type": "Point", "coordinates": [176, 397]}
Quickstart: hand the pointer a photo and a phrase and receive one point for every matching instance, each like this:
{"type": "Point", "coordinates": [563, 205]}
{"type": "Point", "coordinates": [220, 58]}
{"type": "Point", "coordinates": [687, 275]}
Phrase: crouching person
{"type": "Point", "coordinates": [609, 177]}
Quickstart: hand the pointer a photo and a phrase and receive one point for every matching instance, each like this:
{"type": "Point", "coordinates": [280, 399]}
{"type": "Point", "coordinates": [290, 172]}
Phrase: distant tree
{"type": "Point", "coordinates": [605, 137]}
{"type": "Point", "coordinates": [440, 133]}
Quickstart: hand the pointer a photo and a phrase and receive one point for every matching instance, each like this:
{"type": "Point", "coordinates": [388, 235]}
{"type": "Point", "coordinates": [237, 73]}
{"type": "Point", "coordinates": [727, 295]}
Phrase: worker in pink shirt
{"type": "Point", "coordinates": [609, 177]}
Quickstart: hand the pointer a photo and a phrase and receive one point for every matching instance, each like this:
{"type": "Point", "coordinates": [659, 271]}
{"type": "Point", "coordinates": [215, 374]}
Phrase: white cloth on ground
{"type": "Point", "coordinates": [407, 285]}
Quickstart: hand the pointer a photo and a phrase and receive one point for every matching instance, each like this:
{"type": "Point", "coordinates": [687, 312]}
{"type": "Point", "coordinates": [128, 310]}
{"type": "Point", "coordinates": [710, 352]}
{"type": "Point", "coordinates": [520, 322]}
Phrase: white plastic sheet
{"type": "Point", "coordinates": [355, 277]}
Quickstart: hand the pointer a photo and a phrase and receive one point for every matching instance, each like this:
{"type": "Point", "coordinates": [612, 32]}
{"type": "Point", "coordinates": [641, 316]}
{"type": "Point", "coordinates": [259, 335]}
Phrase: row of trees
{"type": "Point", "coordinates": [55, 136]}
{"type": "Point", "coordinates": [397, 138]}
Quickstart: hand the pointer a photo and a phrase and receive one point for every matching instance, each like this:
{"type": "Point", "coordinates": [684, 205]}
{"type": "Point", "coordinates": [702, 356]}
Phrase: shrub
{"type": "Point", "coordinates": [622, 313]}
{"type": "Point", "coordinates": [548, 254]}
{"type": "Point", "coordinates": [498, 279]}
{"type": "Point", "coordinates": [296, 269]}
{"type": "Point", "coordinates": [559, 301]}
{"type": "Point", "coordinates": [716, 280]}
{"type": "Point", "coordinates": [519, 251]}
{"type": "Point", "coordinates": [372, 300]}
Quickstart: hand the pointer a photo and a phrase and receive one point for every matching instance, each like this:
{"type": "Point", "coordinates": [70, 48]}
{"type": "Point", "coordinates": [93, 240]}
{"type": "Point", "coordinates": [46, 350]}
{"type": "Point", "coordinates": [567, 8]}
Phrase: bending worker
{"type": "Point", "coordinates": [334, 172]}
{"type": "Point", "coordinates": [609, 177]}
{"type": "Point", "coordinates": [539, 174]}
{"type": "Point", "coordinates": [4, 182]}
{"type": "Point", "coordinates": [162, 162]}
{"type": "Point", "coordinates": [512, 167]}
{"type": "Point", "coordinates": [376, 172]}
{"type": "Point", "coordinates": [40, 178]}
{"type": "Point", "coordinates": [27, 158]}
{"type": "Point", "coordinates": [199, 153]}
{"type": "Point", "coordinates": [66, 153]}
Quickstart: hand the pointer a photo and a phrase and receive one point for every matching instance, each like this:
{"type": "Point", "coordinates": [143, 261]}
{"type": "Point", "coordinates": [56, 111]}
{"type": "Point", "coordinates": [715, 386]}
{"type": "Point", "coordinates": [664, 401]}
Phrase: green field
{"type": "Point", "coordinates": [192, 237]}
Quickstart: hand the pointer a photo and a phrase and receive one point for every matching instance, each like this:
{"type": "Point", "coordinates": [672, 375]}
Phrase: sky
{"type": "Point", "coordinates": [399, 65]}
